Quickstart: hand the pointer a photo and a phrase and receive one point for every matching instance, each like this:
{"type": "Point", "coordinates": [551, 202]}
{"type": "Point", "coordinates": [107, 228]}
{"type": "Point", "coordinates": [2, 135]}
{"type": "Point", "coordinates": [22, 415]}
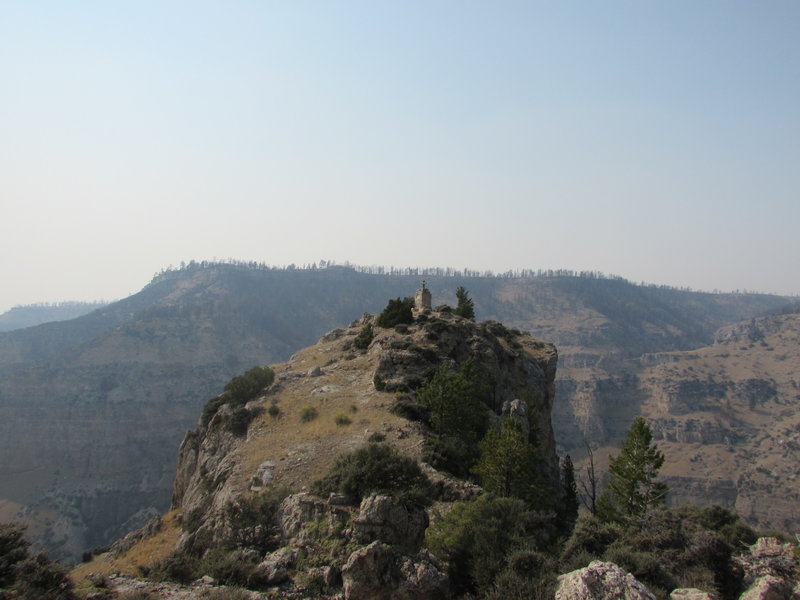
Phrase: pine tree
{"type": "Point", "coordinates": [509, 464]}
{"type": "Point", "coordinates": [568, 507]}
{"type": "Point", "coordinates": [633, 488]}
{"type": "Point", "coordinates": [465, 307]}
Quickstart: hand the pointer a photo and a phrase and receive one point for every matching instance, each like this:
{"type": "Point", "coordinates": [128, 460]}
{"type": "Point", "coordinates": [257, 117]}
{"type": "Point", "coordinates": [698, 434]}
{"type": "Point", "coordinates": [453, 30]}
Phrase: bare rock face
{"type": "Point", "coordinates": [298, 510]}
{"type": "Point", "coordinates": [377, 571]}
{"type": "Point", "coordinates": [770, 587]}
{"type": "Point", "coordinates": [382, 518]}
{"type": "Point", "coordinates": [601, 581]}
{"type": "Point", "coordinates": [692, 594]}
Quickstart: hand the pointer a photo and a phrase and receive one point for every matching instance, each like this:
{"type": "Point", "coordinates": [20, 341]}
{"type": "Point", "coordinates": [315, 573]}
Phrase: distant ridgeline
{"type": "Point", "coordinates": [410, 272]}
{"type": "Point", "coordinates": [30, 315]}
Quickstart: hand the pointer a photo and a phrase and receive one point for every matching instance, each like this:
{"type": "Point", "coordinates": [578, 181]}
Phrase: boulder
{"type": "Point", "coordinates": [382, 518]}
{"type": "Point", "coordinates": [769, 557]}
{"type": "Point", "coordinates": [769, 587]}
{"type": "Point", "coordinates": [377, 571]}
{"type": "Point", "coordinates": [692, 594]}
{"type": "Point", "coordinates": [271, 572]}
{"type": "Point", "coordinates": [299, 510]}
{"type": "Point", "coordinates": [601, 581]}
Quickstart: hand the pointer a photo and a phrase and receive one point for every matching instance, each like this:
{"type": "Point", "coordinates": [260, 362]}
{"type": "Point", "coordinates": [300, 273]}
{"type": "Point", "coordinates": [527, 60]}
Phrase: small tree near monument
{"type": "Point", "coordinates": [465, 307]}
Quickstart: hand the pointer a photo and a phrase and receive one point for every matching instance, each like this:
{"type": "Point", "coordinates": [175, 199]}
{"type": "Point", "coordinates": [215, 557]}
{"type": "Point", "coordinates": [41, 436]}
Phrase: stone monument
{"type": "Point", "coordinates": [422, 299]}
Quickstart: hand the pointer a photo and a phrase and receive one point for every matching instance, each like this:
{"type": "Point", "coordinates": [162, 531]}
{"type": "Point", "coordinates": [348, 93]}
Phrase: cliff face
{"type": "Point", "coordinates": [725, 416]}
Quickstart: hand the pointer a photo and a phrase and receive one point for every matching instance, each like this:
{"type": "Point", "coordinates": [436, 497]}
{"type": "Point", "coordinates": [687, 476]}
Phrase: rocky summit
{"type": "Point", "coordinates": [357, 388]}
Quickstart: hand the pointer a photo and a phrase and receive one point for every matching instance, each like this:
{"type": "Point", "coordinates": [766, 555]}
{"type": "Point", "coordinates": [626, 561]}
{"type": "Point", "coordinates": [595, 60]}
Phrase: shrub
{"type": "Point", "coordinates": [342, 420]}
{"type": "Point", "coordinates": [376, 468]}
{"type": "Point", "coordinates": [376, 438]}
{"type": "Point", "coordinates": [408, 409]}
{"type": "Point", "coordinates": [273, 411]}
{"type": "Point", "coordinates": [308, 413]}
{"type": "Point", "coordinates": [239, 391]}
{"type": "Point", "coordinates": [38, 578]}
{"type": "Point", "coordinates": [590, 537]}
{"type": "Point", "coordinates": [252, 520]}
{"type": "Point", "coordinates": [180, 567]}
{"type": "Point", "coordinates": [396, 312]}
{"type": "Point", "coordinates": [230, 567]}
{"type": "Point", "coordinates": [476, 537]}
{"type": "Point", "coordinates": [244, 388]}
{"type": "Point", "coordinates": [364, 338]}
{"type": "Point", "coordinates": [29, 577]}
{"type": "Point", "coordinates": [379, 383]}
{"type": "Point", "coordinates": [239, 420]}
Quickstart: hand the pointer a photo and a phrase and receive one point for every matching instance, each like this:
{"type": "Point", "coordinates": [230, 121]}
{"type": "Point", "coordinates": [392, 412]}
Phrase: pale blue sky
{"type": "Point", "coordinates": [655, 140]}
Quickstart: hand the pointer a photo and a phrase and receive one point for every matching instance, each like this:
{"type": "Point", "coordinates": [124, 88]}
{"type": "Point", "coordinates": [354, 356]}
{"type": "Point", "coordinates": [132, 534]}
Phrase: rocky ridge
{"type": "Point", "coordinates": [375, 547]}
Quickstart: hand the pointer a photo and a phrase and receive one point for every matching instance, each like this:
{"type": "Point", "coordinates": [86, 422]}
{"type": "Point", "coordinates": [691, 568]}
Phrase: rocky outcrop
{"type": "Point", "coordinates": [771, 571]}
{"type": "Point", "coordinates": [383, 519]}
{"type": "Point", "coordinates": [601, 581]}
{"type": "Point", "coordinates": [377, 571]}
{"type": "Point", "coordinates": [299, 510]}
{"type": "Point", "coordinates": [508, 362]}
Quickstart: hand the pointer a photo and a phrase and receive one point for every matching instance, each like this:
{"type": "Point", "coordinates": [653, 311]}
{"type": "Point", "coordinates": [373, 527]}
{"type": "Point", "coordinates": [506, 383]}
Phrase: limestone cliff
{"type": "Point", "coordinates": [725, 416]}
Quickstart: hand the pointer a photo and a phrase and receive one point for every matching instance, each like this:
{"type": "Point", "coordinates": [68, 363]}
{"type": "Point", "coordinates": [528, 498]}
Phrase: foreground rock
{"type": "Point", "coordinates": [377, 571]}
{"type": "Point", "coordinates": [601, 581]}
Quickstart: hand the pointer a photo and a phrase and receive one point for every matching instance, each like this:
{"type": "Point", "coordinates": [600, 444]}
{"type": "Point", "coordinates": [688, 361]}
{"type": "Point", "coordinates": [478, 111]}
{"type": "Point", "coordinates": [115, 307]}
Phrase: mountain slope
{"type": "Point", "coordinates": [92, 410]}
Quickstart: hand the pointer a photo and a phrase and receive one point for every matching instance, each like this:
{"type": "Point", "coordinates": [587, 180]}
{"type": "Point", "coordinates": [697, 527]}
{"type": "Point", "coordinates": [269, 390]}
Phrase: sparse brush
{"type": "Point", "coordinates": [308, 413]}
{"type": "Point", "coordinates": [342, 419]}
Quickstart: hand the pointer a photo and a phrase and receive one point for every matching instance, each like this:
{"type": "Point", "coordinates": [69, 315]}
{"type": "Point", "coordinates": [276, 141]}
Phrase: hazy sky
{"type": "Point", "coordinates": [659, 141]}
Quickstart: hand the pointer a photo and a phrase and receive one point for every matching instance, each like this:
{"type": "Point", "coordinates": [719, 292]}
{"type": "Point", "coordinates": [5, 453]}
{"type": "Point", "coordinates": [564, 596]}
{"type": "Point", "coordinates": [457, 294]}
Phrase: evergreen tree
{"type": "Point", "coordinates": [457, 416]}
{"type": "Point", "coordinates": [633, 488]}
{"type": "Point", "coordinates": [465, 307]}
{"type": "Point", "coordinates": [568, 508]}
{"type": "Point", "coordinates": [452, 397]}
{"type": "Point", "coordinates": [396, 312]}
{"type": "Point", "coordinates": [509, 464]}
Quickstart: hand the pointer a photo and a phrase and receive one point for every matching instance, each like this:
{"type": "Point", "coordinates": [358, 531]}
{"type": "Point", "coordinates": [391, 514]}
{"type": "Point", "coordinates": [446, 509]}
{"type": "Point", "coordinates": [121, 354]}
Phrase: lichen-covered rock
{"type": "Point", "coordinates": [601, 581]}
{"type": "Point", "coordinates": [382, 518]}
{"type": "Point", "coordinates": [271, 572]}
{"type": "Point", "coordinates": [299, 510]}
{"type": "Point", "coordinates": [769, 557]}
{"type": "Point", "coordinates": [770, 587]}
{"type": "Point", "coordinates": [377, 571]}
{"type": "Point", "coordinates": [692, 594]}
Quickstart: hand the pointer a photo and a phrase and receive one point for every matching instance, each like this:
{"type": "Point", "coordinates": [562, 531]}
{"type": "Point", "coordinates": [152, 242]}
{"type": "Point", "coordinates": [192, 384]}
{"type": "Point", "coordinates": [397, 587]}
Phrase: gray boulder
{"type": "Point", "coordinates": [692, 594]}
{"type": "Point", "coordinates": [382, 518]}
{"type": "Point", "coordinates": [377, 571]}
{"type": "Point", "coordinates": [601, 581]}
